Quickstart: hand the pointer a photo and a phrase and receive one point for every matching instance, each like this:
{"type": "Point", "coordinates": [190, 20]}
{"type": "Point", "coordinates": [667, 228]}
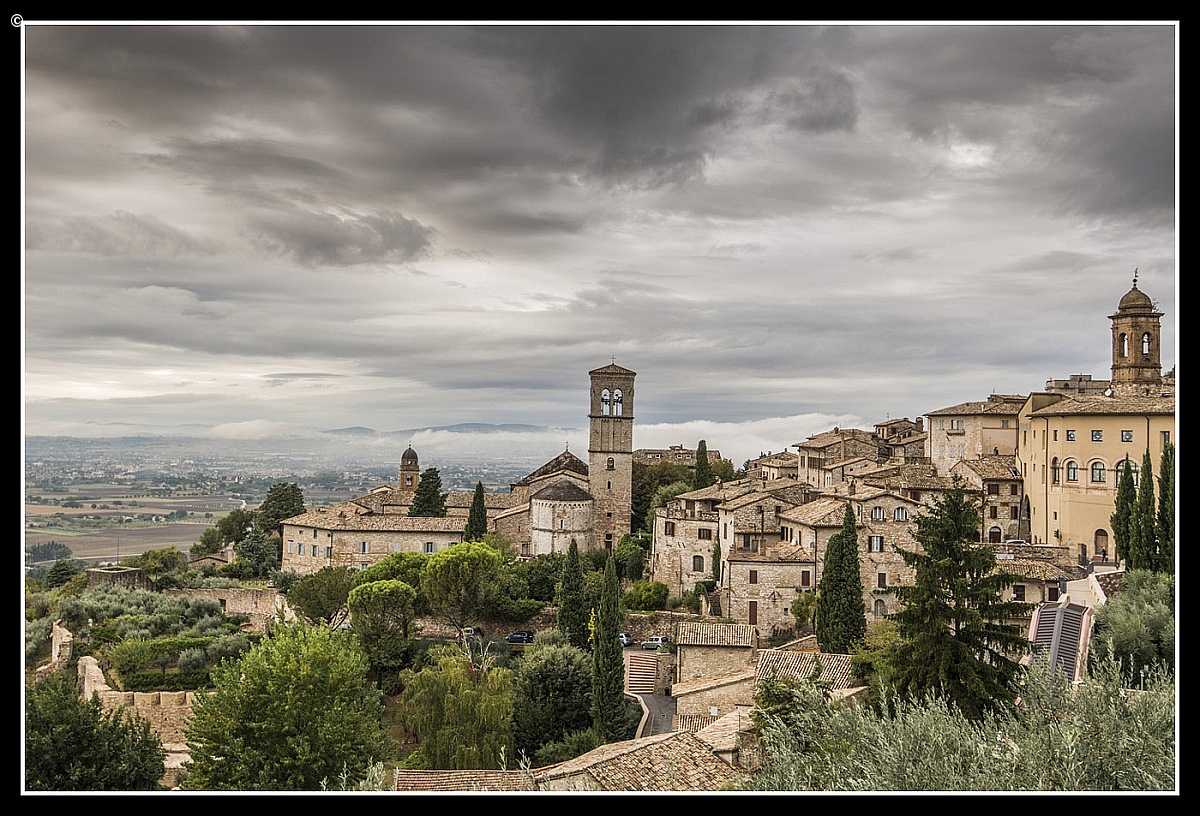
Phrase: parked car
{"type": "Point", "coordinates": [625, 639]}
{"type": "Point", "coordinates": [655, 642]}
{"type": "Point", "coordinates": [522, 636]}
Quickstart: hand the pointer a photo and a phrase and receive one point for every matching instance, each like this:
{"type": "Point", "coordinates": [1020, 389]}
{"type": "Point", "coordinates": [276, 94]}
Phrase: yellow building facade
{"type": "Point", "coordinates": [1070, 449]}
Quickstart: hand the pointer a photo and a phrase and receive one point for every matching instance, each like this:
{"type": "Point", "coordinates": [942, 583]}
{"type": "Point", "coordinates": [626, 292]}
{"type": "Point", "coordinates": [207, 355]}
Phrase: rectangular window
{"type": "Point", "coordinates": [1018, 592]}
{"type": "Point", "coordinates": [314, 550]}
{"type": "Point", "coordinates": [992, 512]}
{"type": "Point", "coordinates": [754, 613]}
{"type": "Point", "coordinates": [1166, 437]}
{"type": "Point", "coordinates": [1126, 436]}
{"type": "Point", "coordinates": [1004, 423]}
{"type": "Point", "coordinates": [329, 552]}
{"type": "Point", "coordinates": [429, 548]}
{"type": "Point", "coordinates": [363, 547]}
{"type": "Point", "coordinates": [754, 576]}
{"type": "Point", "coordinates": [1097, 436]}
{"type": "Point", "coordinates": [1070, 436]}
{"type": "Point", "coordinates": [881, 580]}
{"type": "Point", "coordinates": [704, 534]}
{"type": "Point", "coordinates": [291, 547]}
{"type": "Point", "coordinates": [669, 528]}
{"type": "Point", "coordinates": [1055, 434]}
{"type": "Point", "coordinates": [993, 489]}
{"type": "Point", "coordinates": [1014, 512]}
{"type": "Point", "coordinates": [805, 578]}
{"type": "Point", "coordinates": [1014, 490]}
{"type": "Point", "coordinates": [1052, 593]}
{"type": "Point", "coordinates": [875, 543]}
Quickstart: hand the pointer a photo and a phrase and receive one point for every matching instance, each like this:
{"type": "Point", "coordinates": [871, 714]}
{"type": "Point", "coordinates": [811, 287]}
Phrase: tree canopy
{"type": "Point", "coordinates": [573, 611]}
{"type": "Point", "coordinates": [73, 744]}
{"type": "Point", "coordinates": [428, 499]}
{"type": "Point", "coordinates": [702, 475]}
{"type": "Point", "coordinates": [284, 500]}
{"type": "Point", "coordinates": [608, 660]}
{"type": "Point", "coordinates": [955, 635]}
{"type": "Point", "coordinates": [553, 695]}
{"type": "Point", "coordinates": [460, 712]}
{"type": "Point", "coordinates": [459, 581]}
{"type": "Point", "coordinates": [841, 620]}
{"type": "Point", "coordinates": [477, 523]}
{"type": "Point", "coordinates": [295, 710]}
{"type": "Point", "coordinates": [320, 597]}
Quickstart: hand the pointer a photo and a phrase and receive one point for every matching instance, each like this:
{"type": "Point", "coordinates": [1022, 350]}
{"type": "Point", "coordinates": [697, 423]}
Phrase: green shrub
{"type": "Point", "coordinates": [192, 659]}
{"type": "Point", "coordinates": [646, 595]}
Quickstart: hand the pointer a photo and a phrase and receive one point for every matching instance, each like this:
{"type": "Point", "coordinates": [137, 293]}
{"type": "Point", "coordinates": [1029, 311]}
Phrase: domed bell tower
{"type": "Point", "coordinates": [610, 453]}
{"type": "Point", "coordinates": [1136, 345]}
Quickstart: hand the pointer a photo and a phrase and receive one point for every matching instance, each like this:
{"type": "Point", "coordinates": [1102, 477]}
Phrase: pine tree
{"type": "Point", "coordinates": [572, 611]}
{"type": "Point", "coordinates": [702, 477]}
{"type": "Point", "coordinates": [1143, 533]}
{"type": "Point", "coordinates": [1122, 515]}
{"type": "Point", "coordinates": [283, 501]}
{"type": "Point", "coordinates": [476, 517]}
{"type": "Point", "coordinates": [716, 561]}
{"type": "Point", "coordinates": [428, 499]}
{"type": "Point", "coordinates": [954, 638]}
{"type": "Point", "coordinates": [841, 619]}
{"type": "Point", "coordinates": [608, 660]}
{"type": "Point", "coordinates": [1165, 527]}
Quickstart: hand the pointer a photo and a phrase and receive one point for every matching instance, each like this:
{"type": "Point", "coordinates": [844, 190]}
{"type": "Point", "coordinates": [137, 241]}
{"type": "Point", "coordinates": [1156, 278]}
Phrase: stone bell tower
{"type": "Point", "coordinates": [610, 453]}
{"type": "Point", "coordinates": [1136, 345]}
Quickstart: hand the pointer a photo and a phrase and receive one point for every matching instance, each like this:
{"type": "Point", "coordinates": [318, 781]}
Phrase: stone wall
{"type": "Point", "coordinates": [259, 605]}
{"type": "Point", "coordinates": [127, 577]}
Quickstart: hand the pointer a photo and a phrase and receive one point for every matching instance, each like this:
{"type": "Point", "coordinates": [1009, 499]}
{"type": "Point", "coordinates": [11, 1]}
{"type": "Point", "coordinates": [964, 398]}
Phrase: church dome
{"type": "Point", "coordinates": [1136, 300]}
{"type": "Point", "coordinates": [408, 455]}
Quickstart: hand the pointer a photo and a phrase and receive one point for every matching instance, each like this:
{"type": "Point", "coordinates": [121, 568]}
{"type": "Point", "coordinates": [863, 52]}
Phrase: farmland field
{"type": "Point", "coordinates": [116, 543]}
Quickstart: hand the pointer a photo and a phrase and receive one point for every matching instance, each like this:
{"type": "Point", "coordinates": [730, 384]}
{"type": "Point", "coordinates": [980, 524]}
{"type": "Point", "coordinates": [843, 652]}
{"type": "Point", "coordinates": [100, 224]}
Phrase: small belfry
{"type": "Point", "coordinates": [1136, 345]}
{"type": "Point", "coordinates": [610, 452]}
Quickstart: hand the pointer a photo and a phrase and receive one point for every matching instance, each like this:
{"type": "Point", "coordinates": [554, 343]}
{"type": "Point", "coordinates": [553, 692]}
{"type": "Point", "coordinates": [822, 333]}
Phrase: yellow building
{"type": "Point", "coordinates": [1070, 448]}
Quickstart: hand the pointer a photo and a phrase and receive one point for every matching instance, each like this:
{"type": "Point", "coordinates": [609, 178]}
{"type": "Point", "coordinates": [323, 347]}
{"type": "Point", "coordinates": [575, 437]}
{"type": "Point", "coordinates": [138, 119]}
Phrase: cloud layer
{"type": "Point", "coordinates": [405, 225]}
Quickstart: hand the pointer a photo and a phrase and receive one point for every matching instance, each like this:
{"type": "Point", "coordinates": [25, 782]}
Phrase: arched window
{"type": "Point", "coordinates": [900, 514]}
{"type": "Point", "coordinates": [995, 535]}
{"type": "Point", "coordinates": [1146, 343]}
{"type": "Point", "coordinates": [1099, 472]}
{"type": "Point", "coordinates": [1072, 471]}
{"type": "Point", "coordinates": [1133, 469]}
{"type": "Point", "coordinates": [604, 402]}
{"type": "Point", "coordinates": [617, 406]}
{"type": "Point", "coordinates": [1123, 345]}
{"type": "Point", "coordinates": [878, 514]}
{"type": "Point", "coordinates": [1054, 470]}
{"type": "Point", "coordinates": [612, 464]}
{"type": "Point", "coordinates": [697, 563]}
{"type": "Point", "coordinates": [880, 609]}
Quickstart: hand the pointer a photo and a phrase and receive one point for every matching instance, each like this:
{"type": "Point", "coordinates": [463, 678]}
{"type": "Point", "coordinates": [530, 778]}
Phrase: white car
{"type": "Point", "coordinates": [625, 639]}
{"type": "Point", "coordinates": [655, 642]}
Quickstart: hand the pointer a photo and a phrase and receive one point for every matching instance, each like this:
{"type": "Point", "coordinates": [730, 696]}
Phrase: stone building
{"type": "Point", "coordinates": [562, 500]}
{"type": "Point", "coordinates": [996, 483]}
{"type": "Point", "coordinates": [686, 533]}
{"type": "Point", "coordinates": [970, 430]}
{"type": "Point", "coordinates": [819, 454]}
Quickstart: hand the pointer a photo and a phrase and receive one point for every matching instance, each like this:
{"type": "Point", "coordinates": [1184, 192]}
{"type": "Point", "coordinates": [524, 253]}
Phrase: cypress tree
{"type": "Point", "coordinates": [1143, 532]}
{"type": "Point", "coordinates": [608, 660]}
{"type": "Point", "coordinates": [476, 517]}
{"type": "Point", "coordinates": [1165, 527]}
{"type": "Point", "coordinates": [841, 619]}
{"type": "Point", "coordinates": [1123, 512]}
{"type": "Point", "coordinates": [702, 476]}
{"type": "Point", "coordinates": [572, 613]}
{"type": "Point", "coordinates": [428, 498]}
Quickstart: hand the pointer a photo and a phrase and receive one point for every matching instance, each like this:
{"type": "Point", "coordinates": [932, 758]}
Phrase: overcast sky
{"type": "Point", "coordinates": [781, 228]}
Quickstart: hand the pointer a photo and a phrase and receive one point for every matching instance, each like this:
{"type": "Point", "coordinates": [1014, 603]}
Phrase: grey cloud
{"type": "Point", "coordinates": [316, 239]}
{"type": "Point", "coordinates": [122, 233]}
{"type": "Point", "coordinates": [822, 102]}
